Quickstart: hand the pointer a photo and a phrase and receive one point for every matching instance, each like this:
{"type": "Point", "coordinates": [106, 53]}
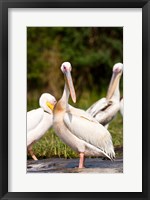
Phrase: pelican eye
{"type": "Point", "coordinates": [51, 106]}
{"type": "Point", "coordinates": [64, 67]}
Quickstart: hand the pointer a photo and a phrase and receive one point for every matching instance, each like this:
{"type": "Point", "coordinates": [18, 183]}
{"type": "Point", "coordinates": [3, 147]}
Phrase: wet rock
{"type": "Point", "coordinates": [61, 165]}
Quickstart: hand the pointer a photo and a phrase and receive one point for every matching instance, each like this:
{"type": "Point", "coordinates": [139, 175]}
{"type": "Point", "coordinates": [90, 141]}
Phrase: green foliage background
{"type": "Point", "coordinates": [92, 51]}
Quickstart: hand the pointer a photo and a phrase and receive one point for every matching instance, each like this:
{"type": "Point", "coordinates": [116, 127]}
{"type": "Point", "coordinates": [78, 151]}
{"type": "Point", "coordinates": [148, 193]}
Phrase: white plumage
{"type": "Point", "coordinates": [105, 109]}
{"type": "Point", "coordinates": [77, 128]}
{"type": "Point", "coordinates": [121, 106]}
{"type": "Point", "coordinates": [39, 120]}
{"type": "Point", "coordinates": [97, 140]}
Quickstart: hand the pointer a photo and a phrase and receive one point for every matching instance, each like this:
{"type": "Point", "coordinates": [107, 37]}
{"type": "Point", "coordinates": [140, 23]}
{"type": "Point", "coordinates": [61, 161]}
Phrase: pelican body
{"type": "Point", "coordinates": [75, 128]}
{"type": "Point", "coordinates": [39, 121]}
{"type": "Point", "coordinates": [105, 109]}
{"type": "Point", "coordinates": [121, 106]}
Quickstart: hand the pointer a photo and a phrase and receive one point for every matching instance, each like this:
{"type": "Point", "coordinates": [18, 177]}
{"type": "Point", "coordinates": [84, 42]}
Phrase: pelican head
{"type": "Point", "coordinates": [66, 69]}
{"type": "Point", "coordinates": [117, 72]}
{"type": "Point", "coordinates": [118, 68]}
{"type": "Point", "coordinates": [47, 102]}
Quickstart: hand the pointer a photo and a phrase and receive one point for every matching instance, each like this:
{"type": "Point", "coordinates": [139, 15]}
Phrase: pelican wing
{"type": "Point", "coordinates": [98, 106]}
{"type": "Point", "coordinates": [91, 132]}
{"type": "Point", "coordinates": [104, 117]}
{"type": "Point", "coordinates": [40, 129]}
{"type": "Point", "coordinates": [33, 118]}
{"type": "Point", "coordinates": [81, 113]}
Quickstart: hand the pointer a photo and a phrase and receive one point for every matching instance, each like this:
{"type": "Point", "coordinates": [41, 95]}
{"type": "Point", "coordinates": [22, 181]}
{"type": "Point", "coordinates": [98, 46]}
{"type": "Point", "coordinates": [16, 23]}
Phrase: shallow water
{"type": "Point", "coordinates": [61, 165]}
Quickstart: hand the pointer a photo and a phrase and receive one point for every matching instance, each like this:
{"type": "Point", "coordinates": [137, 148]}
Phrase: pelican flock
{"type": "Point", "coordinates": [105, 109]}
{"type": "Point", "coordinates": [39, 121]}
{"type": "Point", "coordinates": [75, 128]}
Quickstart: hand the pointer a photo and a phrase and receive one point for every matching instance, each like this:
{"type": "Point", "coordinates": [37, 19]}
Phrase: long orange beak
{"type": "Point", "coordinates": [70, 85]}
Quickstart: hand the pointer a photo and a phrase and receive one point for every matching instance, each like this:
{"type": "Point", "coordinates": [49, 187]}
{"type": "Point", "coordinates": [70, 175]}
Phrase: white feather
{"type": "Point", "coordinates": [39, 130]}
{"type": "Point", "coordinates": [33, 118]}
{"type": "Point", "coordinates": [105, 109]}
{"type": "Point", "coordinates": [98, 106]}
{"type": "Point", "coordinates": [121, 106]}
{"type": "Point", "coordinates": [92, 133]}
{"type": "Point", "coordinates": [81, 113]}
{"type": "Point", "coordinates": [39, 121]}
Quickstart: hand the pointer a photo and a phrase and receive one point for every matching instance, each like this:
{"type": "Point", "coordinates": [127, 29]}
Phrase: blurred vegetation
{"type": "Point", "coordinates": [92, 51]}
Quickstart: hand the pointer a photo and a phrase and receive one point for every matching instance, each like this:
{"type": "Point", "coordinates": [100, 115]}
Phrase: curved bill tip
{"type": "Point", "coordinates": [73, 98]}
{"type": "Point", "coordinates": [72, 92]}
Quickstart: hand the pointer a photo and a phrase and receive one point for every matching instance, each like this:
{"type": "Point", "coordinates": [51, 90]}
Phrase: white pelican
{"type": "Point", "coordinates": [121, 106]}
{"type": "Point", "coordinates": [105, 109]}
{"type": "Point", "coordinates": [73, 126]}
{"type": "Point", "coordinates": [39, 120]}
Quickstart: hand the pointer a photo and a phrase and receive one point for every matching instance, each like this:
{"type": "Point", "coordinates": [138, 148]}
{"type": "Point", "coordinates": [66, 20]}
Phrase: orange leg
{"type": "Point", "coordinates": [31, 152]}
{"type": "Point", "coordinates": [81, 161]}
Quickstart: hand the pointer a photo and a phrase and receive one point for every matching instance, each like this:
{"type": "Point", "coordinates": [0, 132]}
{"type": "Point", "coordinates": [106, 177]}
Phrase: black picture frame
{"type": "Point", "coordinates": [4, 6]}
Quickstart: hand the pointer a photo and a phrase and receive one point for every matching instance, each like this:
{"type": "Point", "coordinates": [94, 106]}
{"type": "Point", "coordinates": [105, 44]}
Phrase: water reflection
{"type": "Point", "coordinates": [61, 165]}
